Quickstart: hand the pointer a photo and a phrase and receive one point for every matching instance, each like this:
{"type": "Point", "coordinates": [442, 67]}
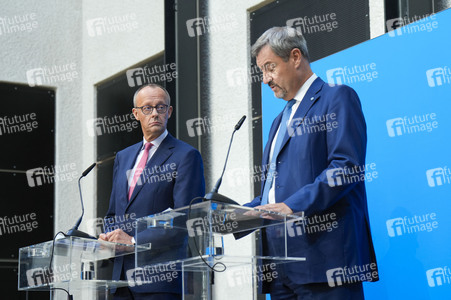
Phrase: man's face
{"type": "Point", "coordinates": [153, 124]}
{"type": "Point", "coordinates": [280, 75]}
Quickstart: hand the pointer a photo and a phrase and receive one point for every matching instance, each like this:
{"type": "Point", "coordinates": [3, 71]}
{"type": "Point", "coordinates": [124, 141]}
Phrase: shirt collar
{"type": "Point", "coordinates": [156, 142]}
{"type": "Point", "coordinates": [304, 88]}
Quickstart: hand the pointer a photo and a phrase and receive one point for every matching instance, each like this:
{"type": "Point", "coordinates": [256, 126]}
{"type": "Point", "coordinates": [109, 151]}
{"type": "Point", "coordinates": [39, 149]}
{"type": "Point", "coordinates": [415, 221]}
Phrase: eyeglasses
{"type": "Point", "coordinates": [147, 109]}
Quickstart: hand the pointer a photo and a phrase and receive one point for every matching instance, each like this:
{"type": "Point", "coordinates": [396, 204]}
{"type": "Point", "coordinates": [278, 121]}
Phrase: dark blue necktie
{"type": "Point", "coordinates": [280, 136]}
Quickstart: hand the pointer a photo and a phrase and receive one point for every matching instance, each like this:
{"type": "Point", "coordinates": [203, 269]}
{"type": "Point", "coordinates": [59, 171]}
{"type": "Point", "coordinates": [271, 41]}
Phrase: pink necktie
{"type": "Point", "coordinates": [139, 169]}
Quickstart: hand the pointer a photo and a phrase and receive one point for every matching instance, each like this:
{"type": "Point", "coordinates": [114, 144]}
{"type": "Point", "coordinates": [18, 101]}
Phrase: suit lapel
{"type": "Point", "coordinates": [162, 154]}
{"type": "Point", "coordinates": [272, 133]}
{"type": "Point", "coordinates": [312, 95]}
{"type": "Point", "coordinates": [310, 98]}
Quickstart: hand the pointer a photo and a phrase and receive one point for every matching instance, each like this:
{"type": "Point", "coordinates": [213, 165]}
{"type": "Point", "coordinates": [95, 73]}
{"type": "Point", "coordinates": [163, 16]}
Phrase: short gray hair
{"type": "Point", "coordinates": [282, 40]}
{"type": "Point", "coordinates": [154, 86]}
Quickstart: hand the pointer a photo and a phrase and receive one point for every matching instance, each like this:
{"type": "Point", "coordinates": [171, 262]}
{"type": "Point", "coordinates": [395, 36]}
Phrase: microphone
{"type": "Point", "coordinates": [74, 230]}
{"type": "Point", "coordinates": [86, 172]}
{"type": "Point", "coordinates": [240, 122]}
{"type": "Point", "coordinates": [213, 195]}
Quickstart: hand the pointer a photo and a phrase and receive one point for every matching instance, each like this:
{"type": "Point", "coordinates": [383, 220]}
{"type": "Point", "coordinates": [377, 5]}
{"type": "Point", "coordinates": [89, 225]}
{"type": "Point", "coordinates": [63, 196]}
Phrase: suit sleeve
{"type": "Point", "coordinates": [111, 209]}
{"type": "Point", "coordinates": [346, 148]}
{"type": "Point", "coordinates": [190, 181]}
{"type": "Point", "coordinates": [189, 184]}
{"type": "Point", "coordinates": [256, 202]}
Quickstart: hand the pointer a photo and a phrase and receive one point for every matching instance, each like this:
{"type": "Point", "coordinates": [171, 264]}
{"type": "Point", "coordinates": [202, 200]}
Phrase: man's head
{"type": "Point", "coordinates": [282, 55]}
{"type": "Point", "coordinates": [147, 101]}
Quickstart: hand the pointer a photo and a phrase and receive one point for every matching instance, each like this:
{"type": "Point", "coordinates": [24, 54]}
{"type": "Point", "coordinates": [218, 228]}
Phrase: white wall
{"type": "Point", "coordinates": [54, 42]}
{"type": "Point", "coordinates": [61, 37]}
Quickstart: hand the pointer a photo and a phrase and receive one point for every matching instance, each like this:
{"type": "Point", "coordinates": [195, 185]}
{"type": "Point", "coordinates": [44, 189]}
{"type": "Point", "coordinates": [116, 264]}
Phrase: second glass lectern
{"type": "Point", "coordinates": [190, 243]}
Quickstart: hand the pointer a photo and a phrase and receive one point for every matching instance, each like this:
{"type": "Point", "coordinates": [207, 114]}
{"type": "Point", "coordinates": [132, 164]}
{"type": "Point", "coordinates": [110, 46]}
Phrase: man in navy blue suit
{"type": "Point", "coordinates": [149, 177]}
{"type": "Point", "coordinates": [316, 164]}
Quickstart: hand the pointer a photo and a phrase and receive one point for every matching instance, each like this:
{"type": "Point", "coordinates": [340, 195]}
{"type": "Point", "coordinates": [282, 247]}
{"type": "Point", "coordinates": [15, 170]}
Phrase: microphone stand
{"type": "Point", "coordinates": [214, 195]}
{"type": "Point", "coordinates": [74, 230]}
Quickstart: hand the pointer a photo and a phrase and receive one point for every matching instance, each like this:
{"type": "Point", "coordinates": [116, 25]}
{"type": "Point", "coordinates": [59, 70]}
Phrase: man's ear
{"type": "Point", "coordinates": [169, 111]}
{"type": "Point", "coordinates": [297, 57]}
{"type": "Point", "coordinates": [135, 113]}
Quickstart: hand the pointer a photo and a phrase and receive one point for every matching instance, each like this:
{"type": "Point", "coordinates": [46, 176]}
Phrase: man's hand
{"type": "Point", "coordinates": [116, 236]}
{"type": "Point", "coordinates": [277, 207]}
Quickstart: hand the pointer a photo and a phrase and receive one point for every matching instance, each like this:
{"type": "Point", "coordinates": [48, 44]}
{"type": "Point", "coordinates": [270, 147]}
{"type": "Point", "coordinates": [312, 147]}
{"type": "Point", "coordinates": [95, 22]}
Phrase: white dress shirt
{"type": "Point", "coordinates": [156, 143]}
{"type": "Point", "coordinates": [299, 97]}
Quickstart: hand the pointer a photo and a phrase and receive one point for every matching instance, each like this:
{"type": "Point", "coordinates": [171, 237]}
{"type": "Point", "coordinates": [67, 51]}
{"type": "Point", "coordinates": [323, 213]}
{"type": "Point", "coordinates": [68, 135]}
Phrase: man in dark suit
{"type": "Point", "coordinates": [149, 177]}
{"type": "Point", "coordinates": [316, 159]}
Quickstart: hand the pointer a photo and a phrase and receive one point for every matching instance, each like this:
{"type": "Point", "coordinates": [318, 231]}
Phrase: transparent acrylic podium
{"type": "Point", "coordinates": [77, 264]}
{"type": "Point", "coordinates": [189, 242]}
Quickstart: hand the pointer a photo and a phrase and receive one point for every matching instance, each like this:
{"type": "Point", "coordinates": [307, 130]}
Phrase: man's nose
{"type": "Point", "coordinates": [154, 113]}
{"type": "Point", "coordinates": [266, 78]}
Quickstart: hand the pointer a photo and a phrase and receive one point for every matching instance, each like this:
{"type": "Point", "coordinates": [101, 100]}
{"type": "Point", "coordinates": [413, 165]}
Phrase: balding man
{"type": "Point", "coordinates": [158, 173]}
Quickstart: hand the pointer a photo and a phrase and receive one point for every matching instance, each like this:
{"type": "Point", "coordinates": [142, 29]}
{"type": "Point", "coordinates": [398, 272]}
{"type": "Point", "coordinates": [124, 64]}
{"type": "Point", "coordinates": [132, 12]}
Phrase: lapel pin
{"type": "Point", "coordinates": [311, 99]}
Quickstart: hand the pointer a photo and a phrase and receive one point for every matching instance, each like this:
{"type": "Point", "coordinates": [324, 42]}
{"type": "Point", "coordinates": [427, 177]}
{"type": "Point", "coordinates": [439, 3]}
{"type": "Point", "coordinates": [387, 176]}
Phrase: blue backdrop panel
{"type": "Point", "coordinates": [403, 79]}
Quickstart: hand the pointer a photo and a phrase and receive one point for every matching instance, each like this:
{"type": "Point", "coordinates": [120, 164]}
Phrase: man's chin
{"type": "Point", "coordinates": [279, 95]}
{"type": "Point", "coordinates": [155, 131]}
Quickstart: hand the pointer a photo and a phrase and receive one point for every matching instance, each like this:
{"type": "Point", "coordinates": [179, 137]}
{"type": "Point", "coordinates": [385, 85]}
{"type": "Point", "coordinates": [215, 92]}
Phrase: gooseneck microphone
{"type": "Point", "coordinates": [74, 231]}
{"type": "Point", "coordinates": [213, 195]}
